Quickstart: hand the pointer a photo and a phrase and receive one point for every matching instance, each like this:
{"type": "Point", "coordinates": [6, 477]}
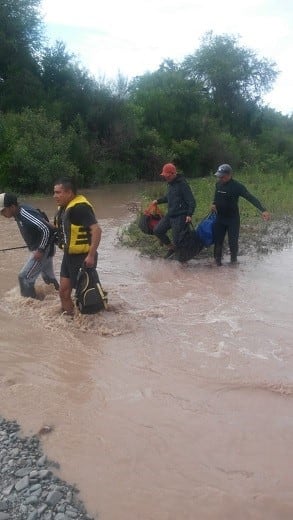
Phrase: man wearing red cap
{"type": "Point", "coordinates": [181, 206]}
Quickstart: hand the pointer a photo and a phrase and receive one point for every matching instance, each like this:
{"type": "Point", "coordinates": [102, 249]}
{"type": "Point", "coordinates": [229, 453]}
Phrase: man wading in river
{"type": "Point", "coordinates": [79, 236]}
{"type": "Point", "coordinates": [225, 204]}
{"type": "Point", "coordinates": [38, 235]}
{"type": "Point", "coordinates": [181, 206]}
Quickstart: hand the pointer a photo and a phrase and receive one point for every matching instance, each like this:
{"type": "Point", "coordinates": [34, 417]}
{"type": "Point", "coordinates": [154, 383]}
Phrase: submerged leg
{"type": "Point", "coordinates": [28, 276]}
{"type": "Point", "coordinates": [26, 289]}
{"type": "Point", "coordinates": [47, 272]}
{"type": "Point", "coordinates": [65, 291]}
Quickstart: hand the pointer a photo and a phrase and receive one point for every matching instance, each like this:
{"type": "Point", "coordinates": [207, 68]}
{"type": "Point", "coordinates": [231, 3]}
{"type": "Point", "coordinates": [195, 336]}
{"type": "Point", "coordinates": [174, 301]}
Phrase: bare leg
{"type": "Point", "coordinates": [65, 295]}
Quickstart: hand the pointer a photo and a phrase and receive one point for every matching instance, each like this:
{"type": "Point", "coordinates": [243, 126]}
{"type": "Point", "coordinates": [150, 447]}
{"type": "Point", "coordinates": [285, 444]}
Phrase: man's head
{"type": "Point", "coordinates": [169, 172]}
{"type": "Point", "coordinates": [224, 173]}
{"type": "Point", "coordinates": [8, 204]}
{"type": "Point", "coordinates": [64, 191]}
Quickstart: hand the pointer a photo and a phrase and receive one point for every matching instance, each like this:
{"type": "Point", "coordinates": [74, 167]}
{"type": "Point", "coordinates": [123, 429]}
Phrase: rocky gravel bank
{"type": "Point", "coordinates": [29, 489]}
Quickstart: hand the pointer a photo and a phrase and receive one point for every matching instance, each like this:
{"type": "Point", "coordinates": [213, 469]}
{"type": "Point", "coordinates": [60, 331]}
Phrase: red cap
{"type": "Point", "coordinates": [168, 168]}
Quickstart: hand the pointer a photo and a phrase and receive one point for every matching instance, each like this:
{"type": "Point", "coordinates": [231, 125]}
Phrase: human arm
{"type": "Point", "coordinates": [189, 200]}
{"type": "Point", "coordinates": [161, 200]}
{"type": "Point", "coordinates": [243, 192]}
{"type": "Point", "coordinates": [83, 214]}
{"type": "Point", "coordinates": [35, 230]}
{"type": "Point", "coordinates": [96, 233]}
{"type": "Point", "coordinates": [50, 247]}
{"type": "Point", "coordinates": [213, 205]}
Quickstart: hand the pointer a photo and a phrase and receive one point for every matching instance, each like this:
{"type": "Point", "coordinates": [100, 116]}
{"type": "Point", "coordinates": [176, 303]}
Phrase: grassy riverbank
{"type": "Point", "coordinates": [274, 191]}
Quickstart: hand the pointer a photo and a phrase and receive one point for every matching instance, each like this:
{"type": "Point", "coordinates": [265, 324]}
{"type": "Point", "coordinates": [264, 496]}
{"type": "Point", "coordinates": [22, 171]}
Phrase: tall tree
{"type": "Point", "coordinates": [233, 76]}
{"type": "Point", "coordinates": [172, 104]}
{"type": "Point", "coordinates": [20, 45]}
{"type": "Point", "coordinates": [68, 88]}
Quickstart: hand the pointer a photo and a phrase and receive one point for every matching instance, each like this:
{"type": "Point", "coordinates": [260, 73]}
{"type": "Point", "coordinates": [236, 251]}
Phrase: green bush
{"type": "Point", "coordinates": [34, 152]}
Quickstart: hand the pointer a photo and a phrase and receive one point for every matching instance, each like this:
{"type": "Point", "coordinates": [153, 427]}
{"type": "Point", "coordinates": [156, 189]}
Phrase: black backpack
{"type": "Point", "coordinates": [90, 297]}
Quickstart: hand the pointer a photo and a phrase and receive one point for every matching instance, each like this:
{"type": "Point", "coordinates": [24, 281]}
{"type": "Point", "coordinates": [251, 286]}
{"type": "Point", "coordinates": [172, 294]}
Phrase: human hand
{"type": "Point", "coordinates": [38, 255]}
{"type": "Point", "coordinates": [188, 220]}
{"type": "Point", "coordinates": [213, 208]}
{"type": "Point", "coordinates": [89, 261]}
{"type": "Point", "coordinates": [155, 201]}
{"type": "Point", "coordinates": [266, 215]}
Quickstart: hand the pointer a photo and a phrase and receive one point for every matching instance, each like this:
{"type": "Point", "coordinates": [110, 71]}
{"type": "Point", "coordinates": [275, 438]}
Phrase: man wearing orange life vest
{"type": "Point", "coordinates": [79, 236]}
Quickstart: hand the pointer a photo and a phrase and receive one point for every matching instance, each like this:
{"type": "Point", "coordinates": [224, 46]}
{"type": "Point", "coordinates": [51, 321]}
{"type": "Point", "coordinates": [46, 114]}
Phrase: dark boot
{"type": "Point", "coordinates": [169, 253]}
{"type": "Point", "coordinates": [48, 281]}
{"type": "Point", "coordinates": [28, 291]}
{"type": "Point", "coordinates": [56, 284]}
{"type": "Point", "coordinates": [218, 255]}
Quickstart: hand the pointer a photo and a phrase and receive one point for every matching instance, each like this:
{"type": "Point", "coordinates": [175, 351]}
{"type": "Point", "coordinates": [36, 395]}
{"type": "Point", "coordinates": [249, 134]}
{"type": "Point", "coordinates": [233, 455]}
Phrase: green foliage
{"type": "Point", "coordinates": [274, 190]}
{"type": "Point", "coordinates": [199, 113]}
{"type": "Point", "coordinates": [20, 43]}
{"type": "Point", "coordinates": [231, 74]}
{"type": "Point", "coordinates": [132, 236]}
{"type": "Point", "coordinates": [171, 104]}
{"type": "Point", "coordinates": [186, 156]}
{"type": "Point", "coordinates": [69, 91]}
{"type": "Point", "coordinates": [34, 152]}
{"type": "Point", "coordinates": [111, 171]}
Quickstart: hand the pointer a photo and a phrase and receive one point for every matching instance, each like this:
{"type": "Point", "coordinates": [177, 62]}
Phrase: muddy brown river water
{"type": "Point", "coordinates": [176, 404]}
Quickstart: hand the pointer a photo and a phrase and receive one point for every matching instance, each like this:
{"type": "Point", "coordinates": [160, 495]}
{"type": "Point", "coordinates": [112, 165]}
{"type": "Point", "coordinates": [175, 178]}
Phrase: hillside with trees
{"type": "Point", "coordinates": [55, 118]}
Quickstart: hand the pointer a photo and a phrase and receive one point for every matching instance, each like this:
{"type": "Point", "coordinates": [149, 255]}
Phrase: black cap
{"type": "Point", "coordinates": [7, 200]}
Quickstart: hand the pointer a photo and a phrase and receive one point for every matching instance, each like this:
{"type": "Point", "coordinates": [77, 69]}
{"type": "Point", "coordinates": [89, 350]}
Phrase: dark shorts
{"type": "Point", "coordinates": [71, 265]}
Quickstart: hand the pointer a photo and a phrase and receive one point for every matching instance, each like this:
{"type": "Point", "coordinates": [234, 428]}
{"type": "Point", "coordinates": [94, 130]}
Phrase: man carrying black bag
{"type": "Point", "coordinates": [79, 236]}
{"type": "Point", "coordinates": [181, 206]}
{"type": "Point", "coordinates": [90, 297]}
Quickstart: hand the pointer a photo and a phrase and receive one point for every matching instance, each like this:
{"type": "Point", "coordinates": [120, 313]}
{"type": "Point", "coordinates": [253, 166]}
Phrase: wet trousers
{"type": "Point", "coordinates": [231, 226]}
{"type": "Point", "coordinates": [177, 224]}
{"type": "Point", "coordinates": [32, 269]}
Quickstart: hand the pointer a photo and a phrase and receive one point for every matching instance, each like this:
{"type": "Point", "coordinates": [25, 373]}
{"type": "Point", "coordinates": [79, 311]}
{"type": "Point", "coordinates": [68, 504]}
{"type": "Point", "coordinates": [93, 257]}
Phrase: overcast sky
{"type": "Point", "coordinates": [135, 36]}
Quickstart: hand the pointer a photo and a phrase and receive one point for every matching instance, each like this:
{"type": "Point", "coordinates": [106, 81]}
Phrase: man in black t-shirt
{"type": "Point", "coordinates": [79, 236]}
{"type": "Point", "coordinates": [225, 204]}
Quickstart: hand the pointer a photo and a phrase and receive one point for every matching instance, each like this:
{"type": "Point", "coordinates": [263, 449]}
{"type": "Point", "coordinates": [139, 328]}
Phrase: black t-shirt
{"type": "Point", "coordinates": [82, 215]}
{"type": "Point", "coordinates": [227, 195]}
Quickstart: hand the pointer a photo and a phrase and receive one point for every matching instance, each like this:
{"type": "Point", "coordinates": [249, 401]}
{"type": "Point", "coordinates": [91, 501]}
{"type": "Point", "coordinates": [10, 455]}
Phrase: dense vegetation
{"type": "Point", "coordinates": [56, 119]}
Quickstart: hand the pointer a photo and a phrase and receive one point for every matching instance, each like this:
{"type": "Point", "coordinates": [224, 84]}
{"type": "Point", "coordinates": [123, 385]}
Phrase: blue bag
{"type": "Point", "coordinates": [205, 229]}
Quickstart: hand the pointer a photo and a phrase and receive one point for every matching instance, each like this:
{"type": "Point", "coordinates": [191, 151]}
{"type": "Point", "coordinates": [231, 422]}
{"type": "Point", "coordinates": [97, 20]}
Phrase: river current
{"type": "Point", "coordinates": [176, 403]}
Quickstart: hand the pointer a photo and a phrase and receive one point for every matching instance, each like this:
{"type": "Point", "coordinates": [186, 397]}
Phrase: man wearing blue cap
{"type": "Point", "coordinates": [225, 204]}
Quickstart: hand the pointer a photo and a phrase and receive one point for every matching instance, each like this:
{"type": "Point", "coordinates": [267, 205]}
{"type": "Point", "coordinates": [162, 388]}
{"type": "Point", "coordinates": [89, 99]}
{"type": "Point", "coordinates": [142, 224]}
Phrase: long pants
{"type": "Point", "coordinates": [223, 226]}
{"type": "Point", "coordinates": [32, 269]}
{"type": "Point", "coordinates": [177, 224]}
